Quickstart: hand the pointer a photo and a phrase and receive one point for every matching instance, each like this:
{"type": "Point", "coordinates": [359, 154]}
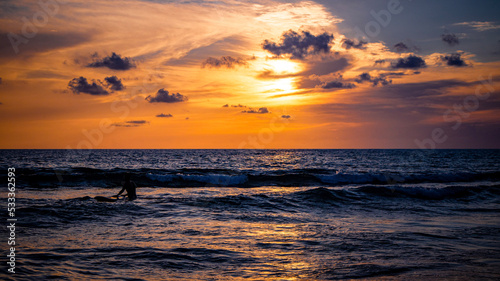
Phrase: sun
{"type": "Point", "coordinates": [280, 85]}
{"type": "Point", "coordinates": [281, 66]}
{"type": "Point", "coordinates": [283, 70]}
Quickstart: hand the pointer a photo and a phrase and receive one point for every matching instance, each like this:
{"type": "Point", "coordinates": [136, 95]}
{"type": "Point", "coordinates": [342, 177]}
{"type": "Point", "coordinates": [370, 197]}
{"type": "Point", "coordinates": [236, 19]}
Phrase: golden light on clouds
{"type": "Point", "coordinates": [215, 54]}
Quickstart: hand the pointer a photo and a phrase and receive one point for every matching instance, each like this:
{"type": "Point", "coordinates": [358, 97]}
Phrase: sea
{"type": "Point", "coordinates": [252, 215]}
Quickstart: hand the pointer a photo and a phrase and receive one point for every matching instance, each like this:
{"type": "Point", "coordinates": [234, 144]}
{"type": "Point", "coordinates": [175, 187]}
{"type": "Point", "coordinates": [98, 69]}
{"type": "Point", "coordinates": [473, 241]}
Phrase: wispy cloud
{"type": "Point", "coordinates": [480, 25]}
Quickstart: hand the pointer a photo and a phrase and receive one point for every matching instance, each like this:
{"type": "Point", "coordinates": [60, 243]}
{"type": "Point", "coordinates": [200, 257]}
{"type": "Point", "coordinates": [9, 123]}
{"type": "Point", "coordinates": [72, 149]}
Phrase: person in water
{"type": "Point", "coordinates": [130, 187]}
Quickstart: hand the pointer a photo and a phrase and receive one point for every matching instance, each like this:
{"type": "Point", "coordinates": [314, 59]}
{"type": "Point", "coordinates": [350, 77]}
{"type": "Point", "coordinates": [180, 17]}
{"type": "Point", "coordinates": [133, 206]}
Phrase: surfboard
{"type": "Point", "coordinates": [105, 199]}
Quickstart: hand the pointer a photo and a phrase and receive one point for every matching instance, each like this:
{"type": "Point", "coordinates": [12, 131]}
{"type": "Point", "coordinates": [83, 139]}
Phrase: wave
{"type": "Point", "coordinates": [44, 177]}
{"type": "Point", "coordinates": [260, 207]}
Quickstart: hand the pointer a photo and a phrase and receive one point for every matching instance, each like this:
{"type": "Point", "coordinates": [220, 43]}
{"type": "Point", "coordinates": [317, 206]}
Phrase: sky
{"type": "Point", "coordinates": [249, 74]}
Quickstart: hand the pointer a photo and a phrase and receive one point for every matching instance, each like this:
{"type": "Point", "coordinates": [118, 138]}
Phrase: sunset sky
{"type": "Point", "coordinates": [250, 74]}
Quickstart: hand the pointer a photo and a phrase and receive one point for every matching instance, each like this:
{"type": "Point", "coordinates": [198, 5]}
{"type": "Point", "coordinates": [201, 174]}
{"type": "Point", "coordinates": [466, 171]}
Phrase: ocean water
{"type": "Point", "coordinates": [255, 215]}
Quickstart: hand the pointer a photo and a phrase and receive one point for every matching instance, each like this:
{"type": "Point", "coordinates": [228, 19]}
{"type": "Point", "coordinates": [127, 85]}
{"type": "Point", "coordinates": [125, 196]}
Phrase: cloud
{"type": "Point", "coordinates": [337, 85]}
{"type": "Point", "coordinates": [379, 62]}
{"type": "Point", "coordinates": [326, 66]}
{"type": "Point", "coordinates": [411, 61]}
{"type": "Point", "coordinates": [163, 96]}
{"type": "Point", "coordinates": [238, 105]}
{"type": "Point", "coordinates": [164, 115]}
{"type": "Point", "coordinates": [401, 47]}
{"type": "Point", "coordinates": [0, 80]}
{"type": "Point", "coordinates": [299, 45]}
{"type": "Point", "coordinates": [114, 83]}
{"type": "Point", "coordinates": [225, 61]}
{"type": "Point", "coordinates": [453, 60]}
{"type": "Point", "coordinates": [115, 62]}
{"type": "Point", "coordinates": [480, 25]}
{"type": "Point", "coordinates": [81, 85]}
{"type": "Point", "coordinates": [411, 91]}
{"type": "Point", "coordinates": [132, 123]}
{"type": "Point", "coordinates": [382, 80]}
{"type": "Point", "coordinates": [348, 43]}
{"type": "Point", "coordinates": [286, 116]}
{"type": "Point", "coordinates": [262, 110]}
{"type": "Point", "coordinates": [41, 43]}
{"type": "Point", "coordinates": [363, 77]}
{"type": "Point", "coordinates": [393, 74]}
{"type": "Point", "coordinates": [314, 81]}
{"type": "Point", "coordinates": [450, 38]}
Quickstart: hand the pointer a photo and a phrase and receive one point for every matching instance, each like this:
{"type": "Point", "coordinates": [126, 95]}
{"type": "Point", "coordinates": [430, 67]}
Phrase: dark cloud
{"type": "Point", "coordinates": [81, 85]}
{"type": "Point", "coordinates": [379, 62]}
{"type": "Point", "coordinates": [115, 62]}
{"type": "Point", "coordinates": [363, 77]}
{"type": "Point", "coordinates": [164, 115]}
{"type": "Point", "coordinates": [454, 60]}
{"type": "Point", "coordinates": [226, 61]}
{"type": "Point", "coordinates": [299, 45]}
{"type": "Point", "coordinates": [401, 47]}
{"type": "Point", "coordinates": [450, 39]}
{"type": "Point", "coordinates": [234, 105]}
{"type": "Point", "coordinates": [286, 116]}
{"type": "Point", "coordinates": [411, 61]}
{"type": "Point", "coordinates": [114, 83]}
{"type": "Point", "coordinates": [405, 47]}
{"type": "Point", "coordinates": [262, 110]}
{"type": "Point", "coordinates": [337, 85]}
{"type": "Point", "coordinates": [163, 96]}
{"type": "Point", "coordinates": [348, 43]}
{"type": "Point", "coordinates": [132, 123]}
{"type": "Point", "coordinates": [393, 74]}
{"type": "Point", "coordinates": [382, 80]}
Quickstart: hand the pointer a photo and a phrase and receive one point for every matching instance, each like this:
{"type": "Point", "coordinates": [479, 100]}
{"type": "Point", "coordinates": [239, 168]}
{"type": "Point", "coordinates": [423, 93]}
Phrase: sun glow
{"type": "Point", "coordinates": [281, 78]}
{"type": "Point", "coordinates": [283, 66]}
{"type": "Point", "coordinates": [280, 85]}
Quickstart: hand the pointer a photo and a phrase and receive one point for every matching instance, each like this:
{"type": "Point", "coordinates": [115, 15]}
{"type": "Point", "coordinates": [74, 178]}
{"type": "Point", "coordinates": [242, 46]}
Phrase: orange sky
{"type": "Point", "coordinates": [215, 54]}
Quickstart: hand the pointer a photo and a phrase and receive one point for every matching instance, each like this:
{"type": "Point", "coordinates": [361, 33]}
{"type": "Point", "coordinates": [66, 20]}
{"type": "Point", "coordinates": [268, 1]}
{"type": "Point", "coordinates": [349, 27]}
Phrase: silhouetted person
{"type": "Point", "coordinates": [130, 187]}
